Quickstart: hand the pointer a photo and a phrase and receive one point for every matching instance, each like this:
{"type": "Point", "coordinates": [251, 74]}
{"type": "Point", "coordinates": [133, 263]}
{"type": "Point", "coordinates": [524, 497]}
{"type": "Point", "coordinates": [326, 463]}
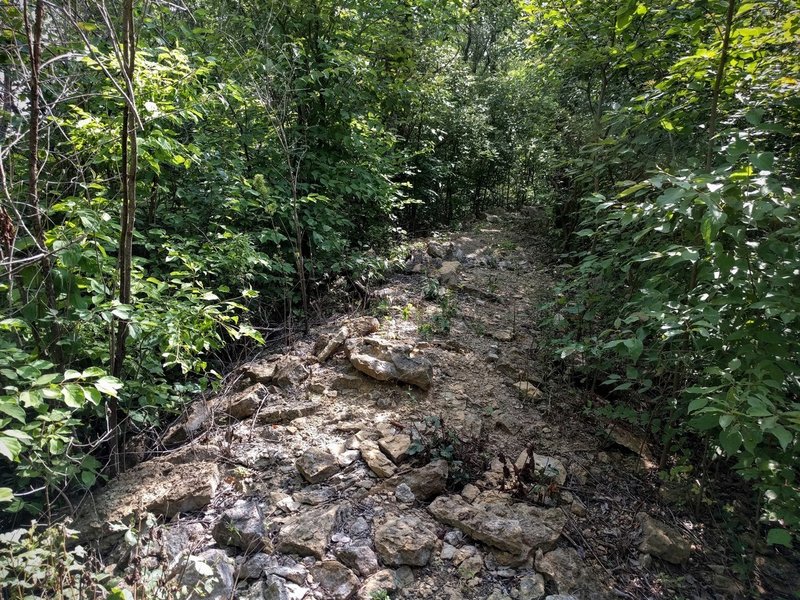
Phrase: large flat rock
{"type": "Point", "coordinates": [389, 361]}
{"type": "Point", "coordinates": [517, 529]}
{"type": "Point", "coordinates": [157, 486]}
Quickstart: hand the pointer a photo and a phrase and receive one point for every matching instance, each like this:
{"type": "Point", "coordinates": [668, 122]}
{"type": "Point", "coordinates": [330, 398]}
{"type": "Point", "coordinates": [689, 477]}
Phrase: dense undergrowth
{"type": "Point", "coordinates": [273, 152]}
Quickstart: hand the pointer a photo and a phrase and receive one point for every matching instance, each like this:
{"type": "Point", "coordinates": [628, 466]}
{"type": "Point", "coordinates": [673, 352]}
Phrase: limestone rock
{"type": "Point", "coordinates": [279, 410]}
{"type": "Point", "coordinates": [308, 533]}
{"type": "Point", "coordinates": [219, 584]}
{"type": "Point", "coordinates": [396, 446]}
{"type": "Point", "coordinates": [255, 566]}
{"type": "Point", "coordinates": [376, 460]}
{"type": "Point", "coordinates": [337, 580]}
{"type": "Point", "coordinates": [426, 482]}
{"type": "Point", "coordinates": [389, 361]}
{"type": "Point", "coordinates": [363, 326]}
{"type": "Point", "coordinates": [448, 272]}
{"type": "Point", "coordinates": [158, 486]}
{"type": "Point", "coordinates": [564, 567]}
{"type": "Point", "coordinates": [545, 468]}
{"type": "Point", "coordinates": [662, 540]}
{"type": "Point", "coordinates": [316, 465]}
{"type": "Point", "coordinates": [193, 423]}
{"type": "Point", "coordinates": [404, 494]}
{"type": "Point", "coordinates": [528, 389]}
{"type": "Point", "coordinates": [405, 540]}
{"type": "Point", "coordinates": [262, 371]}
{"type": "Point", "coordinates": [241, 526]}
{"type": "Point", "coordinates": [245, 403]}
{"type": "Point", "coordinates": [293, 572]}
{"type": "Point", "coordinates": [271, 588]}
{"type": "Point", "coordinates": [290, 370]}
{"type": "Point", "coordinates": [531, 587]}
{"type": "Point", "coordinates": [359, 558]}
{"type": "Point", "coordinates": [334, 344]}
{"type": "Point", "coordinates": [514, 528]}
{"type": "Point", "coordinates": [377, 582]}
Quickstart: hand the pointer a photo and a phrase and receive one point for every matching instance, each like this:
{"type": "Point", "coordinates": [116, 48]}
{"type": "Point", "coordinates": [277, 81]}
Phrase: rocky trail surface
{"type": "Point", "coordinates": [421, 451]}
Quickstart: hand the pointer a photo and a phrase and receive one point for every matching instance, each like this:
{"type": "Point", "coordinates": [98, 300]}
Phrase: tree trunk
{"type": "Point", "coordinates": [723, 59]}
{"type": "Point", "coordinates": [127, 220]}
{"type": "Point", "coordinates": [33, 208]}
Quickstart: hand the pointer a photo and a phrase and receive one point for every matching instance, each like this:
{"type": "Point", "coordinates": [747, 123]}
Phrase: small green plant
{"type": "Point", "coordinates": [381, 309]}
{"type": "Point", "coordinates": [380, 595]}
{"type": "Point", "coordinates": [406, 311]}
{"type": "Point", "coordinates": [466, 456]}
{"type": "Point", "coordinates": [431, 288]}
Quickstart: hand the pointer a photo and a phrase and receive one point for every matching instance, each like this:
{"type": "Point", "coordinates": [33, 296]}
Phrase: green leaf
{"type": "Point", "coordinates": [762, 161]}
{"type": "Point", "coordinates": [10, 448]}
{"type": "Point", "coordinates": [71, 374]}
{"type": "Point", "coordinates": [783, 435]}
{"type": "Point", "coordinates": [6, 494]}
{"type": "Point", "coordinates": [730, 441]}
{"type": "Point", "coordinates": [696, 405]}
{"type": "Point", "coordinates": [108, 386]}
{"type": "Point", "coordinates": [779, 537]}
{"type": "Point", "coordinates": [13, 410]}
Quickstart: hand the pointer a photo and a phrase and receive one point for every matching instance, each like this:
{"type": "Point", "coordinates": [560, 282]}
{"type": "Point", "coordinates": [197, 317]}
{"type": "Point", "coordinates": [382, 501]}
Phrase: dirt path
{"type": "Point", "coordinates": [376, 458]}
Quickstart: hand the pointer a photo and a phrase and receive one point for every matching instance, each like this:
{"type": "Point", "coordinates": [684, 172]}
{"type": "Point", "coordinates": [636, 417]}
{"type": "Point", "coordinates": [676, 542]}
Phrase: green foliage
{"type": "Point", "coordinates": [35, 563]}
{"type": "Point", "coordinates": [685, 245]}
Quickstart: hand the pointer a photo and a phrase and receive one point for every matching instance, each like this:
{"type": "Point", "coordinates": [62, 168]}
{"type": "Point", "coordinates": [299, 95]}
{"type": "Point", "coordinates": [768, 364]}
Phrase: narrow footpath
{"type": "Point", "coordinates": [428, 449]}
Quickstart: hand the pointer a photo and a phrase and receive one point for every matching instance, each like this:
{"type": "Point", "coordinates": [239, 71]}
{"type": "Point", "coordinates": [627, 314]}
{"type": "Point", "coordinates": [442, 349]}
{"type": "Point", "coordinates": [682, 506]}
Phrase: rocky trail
{"type": "Point", "coordinates": [425, 450]}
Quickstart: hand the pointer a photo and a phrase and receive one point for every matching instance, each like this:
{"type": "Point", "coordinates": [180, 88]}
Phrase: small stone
{"type": "Point", "coordinates": [528, 389]}
{"type": "Point", "coordinates": [307, 534]}
{"type": "Point", "coordinates": [359, 558]}
{"type": "Point", "coordinates": [448, 272]}
{"type": "Point", "coordinates": [295, 572]}
{"type": "Point", "coordinates": [348, 457]}
{"type": "Point", "coordinates": [359, 527]}
{"type": "Point", "coordinates": [404, 577]}
{"type": "Point", "coordinates": [454, 537]}
{"type": "Point", "coordinates": [471, 566]}
{"type": "Point", "coordinates": [428, 481]}
{"type": "Point", "coordinates": [404, 494]}
{"type": "Point", "coordinates": [317, 465]}
{"type": "Point", "coordinates": [337, 580]}
{"type": "Point", "coordinates": [448, 551]}
{"type": "Point", "coordinates": [662, 540]}
{"type": "Point", "coordinates": [502, 335]}
{"type": "Point", "coordinates": [564, 567]}
{"type": "Point", "coordinates": [470, 492]}
{"type": "Point", "coordinates": [578, 509]}
{"type": "Point", "coordinates": [531, 587]}
{"type": "Point", "coordinates": [396, 446]}
{"type": "Point", "coordinates": [390, 361]}
{"type": "Point", "coordinates": [246, 403]}
{"type": "Point", "coordinates": [254, 567]}
{"type": "Point", "coordinates": [376, 460]}
{"type": "Point", "coordinates": [382, 581]}
{"type": "Point", "coordinates": [241, 526]}
{"type": "Point", "coordinates": [405, 541]}
{"type": "Point", "coordinates": [464, 553]}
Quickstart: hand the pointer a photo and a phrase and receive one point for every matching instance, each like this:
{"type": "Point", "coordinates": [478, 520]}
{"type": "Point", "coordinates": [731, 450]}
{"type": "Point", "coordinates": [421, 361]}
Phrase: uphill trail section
{"type": "Point", "coordinates": [428, 448]}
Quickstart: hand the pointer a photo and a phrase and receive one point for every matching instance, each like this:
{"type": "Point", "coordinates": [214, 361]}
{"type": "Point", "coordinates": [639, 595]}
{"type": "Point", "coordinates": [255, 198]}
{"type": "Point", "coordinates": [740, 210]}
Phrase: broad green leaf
{"type": "Point", "coordinates": [779, 537]}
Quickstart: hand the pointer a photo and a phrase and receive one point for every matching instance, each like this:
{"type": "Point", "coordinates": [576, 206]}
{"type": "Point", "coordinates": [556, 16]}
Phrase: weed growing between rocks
{"type": "Point", "coordinates": [525, 481]}
{"type": "Point", "coordinates": [467, 457]}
